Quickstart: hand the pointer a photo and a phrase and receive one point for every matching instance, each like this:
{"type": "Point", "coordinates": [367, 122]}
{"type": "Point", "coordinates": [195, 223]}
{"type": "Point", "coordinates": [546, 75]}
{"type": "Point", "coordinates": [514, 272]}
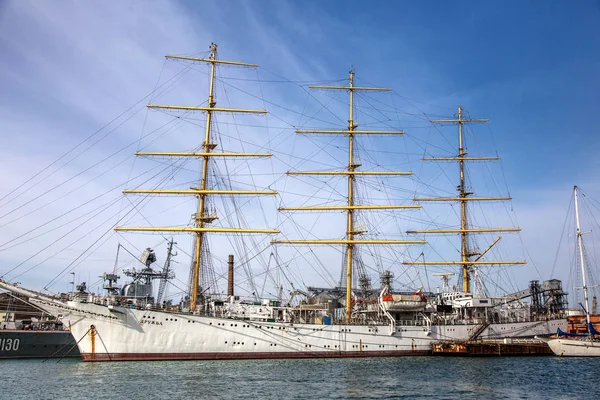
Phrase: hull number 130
{"type": "Point", "coordinates": [9, 344]}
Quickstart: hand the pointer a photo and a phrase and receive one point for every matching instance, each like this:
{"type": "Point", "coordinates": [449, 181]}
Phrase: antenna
{"type": "Point", "coordinates": [72, 282]}
{"type": "Point", "coordinates": [165, 273]}
{"type": "Point", "coordinates": [445, 278]}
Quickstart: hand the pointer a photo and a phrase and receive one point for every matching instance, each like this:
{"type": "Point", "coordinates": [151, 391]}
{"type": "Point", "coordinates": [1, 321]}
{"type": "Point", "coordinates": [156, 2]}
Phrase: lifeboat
{"type": "Point", "coordinates": [404, 302]}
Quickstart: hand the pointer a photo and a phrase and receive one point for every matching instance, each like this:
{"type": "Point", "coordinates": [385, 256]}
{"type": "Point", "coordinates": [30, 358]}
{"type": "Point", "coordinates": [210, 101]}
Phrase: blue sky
{"type": "Point", "coordinates": [68, 68]}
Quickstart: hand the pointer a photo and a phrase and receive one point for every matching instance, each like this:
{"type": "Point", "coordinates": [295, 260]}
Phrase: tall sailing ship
{"type": "Point", "coordinates": [332, 322]}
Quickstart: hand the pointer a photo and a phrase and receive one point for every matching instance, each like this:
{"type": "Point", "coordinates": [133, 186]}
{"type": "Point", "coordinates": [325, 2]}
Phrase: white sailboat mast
{"type": "Point", "coordinates": [581, 259]}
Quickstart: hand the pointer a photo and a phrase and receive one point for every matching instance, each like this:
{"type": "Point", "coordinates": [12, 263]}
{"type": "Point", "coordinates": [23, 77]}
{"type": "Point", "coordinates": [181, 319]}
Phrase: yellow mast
{"type": "Point", "coordinates": [350, 222]}
{"type": "Point", "coordinates": [351, 172]}
{"type": "Point", "coordinates": [201, 218]}
{"type": "Point", "coordinates": [463, 199]}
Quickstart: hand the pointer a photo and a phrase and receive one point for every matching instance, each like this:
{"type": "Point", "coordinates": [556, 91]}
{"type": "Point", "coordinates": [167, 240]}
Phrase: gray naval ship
{"type": "Point", "coordinates": [26, 332]}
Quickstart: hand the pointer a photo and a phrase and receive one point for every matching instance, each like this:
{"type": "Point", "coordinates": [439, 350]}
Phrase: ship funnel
{"type": "Point", "coordinates": [230, 276]}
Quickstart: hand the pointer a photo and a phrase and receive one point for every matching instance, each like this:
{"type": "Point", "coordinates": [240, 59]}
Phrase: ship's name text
{"type": "Point", "coordinates": [144, 321]}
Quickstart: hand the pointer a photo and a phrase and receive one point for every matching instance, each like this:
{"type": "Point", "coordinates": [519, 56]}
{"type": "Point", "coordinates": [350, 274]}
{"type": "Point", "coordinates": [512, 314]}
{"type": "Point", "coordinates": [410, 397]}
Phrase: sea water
{"type": "Point", "coordinates": [359, 378]}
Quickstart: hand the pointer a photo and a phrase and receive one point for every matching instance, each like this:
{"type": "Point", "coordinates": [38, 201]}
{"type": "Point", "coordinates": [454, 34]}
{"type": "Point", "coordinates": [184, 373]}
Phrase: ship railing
{"type": "Point", "coordinates": [409, 322]}
{"type": "Point", "coordinates": [360, 321]}
{"type": "Point", "coordinates": [499, 320]}
{"type": "Point", "coordinates": [458, 321]}
{"type": "Point", "coordinates": [509, 340]}
{"type": "Point", "coordinates": [427, 322]}
{"type": "Point", "coordinates": [385, 311]}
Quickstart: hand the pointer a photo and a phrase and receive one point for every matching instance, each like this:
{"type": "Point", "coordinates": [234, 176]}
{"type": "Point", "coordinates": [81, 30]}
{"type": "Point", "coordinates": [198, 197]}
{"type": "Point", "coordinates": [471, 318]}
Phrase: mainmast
{"type": "Point", "coordinates": [463, 198]}
{"type": "Point", "coordinates": [202, 219]}
{"type": "Point", "coordinates": [350, 172]}
{"type": "Point", "coordinates": [582, 261]}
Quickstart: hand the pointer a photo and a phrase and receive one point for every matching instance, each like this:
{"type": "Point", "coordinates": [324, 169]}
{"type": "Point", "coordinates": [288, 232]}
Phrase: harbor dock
{"type": "Point", "coordinates": [495, 347]}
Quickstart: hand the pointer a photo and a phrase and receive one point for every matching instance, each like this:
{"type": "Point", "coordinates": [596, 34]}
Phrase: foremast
{"type": "Point", "coordinates": [351, 172]}
{"type": "Point", "coordinates": [202, 219]}
{"type": "Point", "coordinates": [463, 198]}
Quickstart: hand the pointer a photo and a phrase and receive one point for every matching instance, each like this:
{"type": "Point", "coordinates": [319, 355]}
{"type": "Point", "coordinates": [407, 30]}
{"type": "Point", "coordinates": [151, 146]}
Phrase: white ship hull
{"type": "Point", "coordinates": [574, 347]}
{"type": "Point", "coordinates": [129, 334]}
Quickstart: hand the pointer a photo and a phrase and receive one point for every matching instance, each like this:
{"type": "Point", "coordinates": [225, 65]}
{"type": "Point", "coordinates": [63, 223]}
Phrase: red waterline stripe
{"type": "Point", "coordinates": [245, 356]}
